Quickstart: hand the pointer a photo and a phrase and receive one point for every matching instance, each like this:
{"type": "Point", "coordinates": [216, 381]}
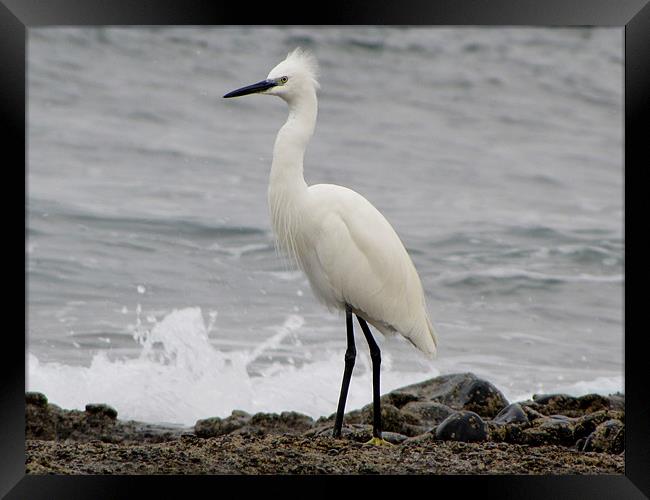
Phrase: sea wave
{"type": "Point", "coordinates": [510, 274]}
{"type": "Point", "coordinates": [179, 377]}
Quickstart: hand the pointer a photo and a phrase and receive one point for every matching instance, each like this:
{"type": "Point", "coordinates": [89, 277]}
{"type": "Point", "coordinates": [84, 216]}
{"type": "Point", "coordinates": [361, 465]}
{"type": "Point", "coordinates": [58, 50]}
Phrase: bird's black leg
{"type": "Point", "coordinates": [375, 356]}
{"type": "Point", "coordinates": [350, 356]}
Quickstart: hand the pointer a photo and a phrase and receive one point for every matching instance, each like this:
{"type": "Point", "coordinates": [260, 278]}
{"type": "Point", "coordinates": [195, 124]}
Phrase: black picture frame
{"type": "Point", "coordinates": [17, 16]}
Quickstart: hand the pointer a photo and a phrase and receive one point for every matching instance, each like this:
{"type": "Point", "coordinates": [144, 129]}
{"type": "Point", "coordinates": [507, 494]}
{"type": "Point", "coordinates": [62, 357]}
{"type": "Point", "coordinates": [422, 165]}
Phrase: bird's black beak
{"type": "Point", "coordinates": [252, 89]}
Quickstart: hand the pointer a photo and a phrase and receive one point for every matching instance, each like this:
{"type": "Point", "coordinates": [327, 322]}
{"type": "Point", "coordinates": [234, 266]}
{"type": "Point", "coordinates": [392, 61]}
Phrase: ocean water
{"type": "Point", "coordinates": [153, 282]}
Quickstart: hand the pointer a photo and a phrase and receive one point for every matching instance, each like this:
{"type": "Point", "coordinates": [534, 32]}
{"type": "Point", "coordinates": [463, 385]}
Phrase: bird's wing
{"type": "Point", "coordinates": [364, 261]}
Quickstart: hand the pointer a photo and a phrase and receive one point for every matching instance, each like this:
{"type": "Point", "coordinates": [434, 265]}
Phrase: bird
{"type": "Point", "coordinates": [352, 257]}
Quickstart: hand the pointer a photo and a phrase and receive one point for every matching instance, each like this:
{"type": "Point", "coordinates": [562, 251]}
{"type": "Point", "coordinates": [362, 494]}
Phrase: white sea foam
{"type": "Point", "coordinates": [179, 377]}
{"type": "Point", "coordinates": [600, 385]}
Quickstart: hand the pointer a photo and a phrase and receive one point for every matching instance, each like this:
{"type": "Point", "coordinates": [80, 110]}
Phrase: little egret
{"type": "Point", "coordinates": [351, 255]}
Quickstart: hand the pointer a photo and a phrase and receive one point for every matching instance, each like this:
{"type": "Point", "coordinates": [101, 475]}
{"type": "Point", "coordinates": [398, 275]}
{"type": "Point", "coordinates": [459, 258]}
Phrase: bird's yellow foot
{"type": "Point", "coordinates": [375, 441]}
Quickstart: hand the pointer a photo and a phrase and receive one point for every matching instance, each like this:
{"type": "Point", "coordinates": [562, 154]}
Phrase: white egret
{"type": "Point", "coordinates": [351, 255]}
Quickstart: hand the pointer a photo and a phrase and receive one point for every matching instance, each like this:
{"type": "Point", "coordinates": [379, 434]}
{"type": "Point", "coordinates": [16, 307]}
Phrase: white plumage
{"type": "Point", "coordinates": [346, 247]}
{"type": "Point", "coordinates": [348, 250]}
{"type": "Point", "coordinates": [351, 254]}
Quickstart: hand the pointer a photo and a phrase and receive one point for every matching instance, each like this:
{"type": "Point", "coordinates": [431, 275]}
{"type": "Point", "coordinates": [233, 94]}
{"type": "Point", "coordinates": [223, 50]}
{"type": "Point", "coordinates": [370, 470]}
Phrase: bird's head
{"type": "Point", "coordinates": [289, 79]}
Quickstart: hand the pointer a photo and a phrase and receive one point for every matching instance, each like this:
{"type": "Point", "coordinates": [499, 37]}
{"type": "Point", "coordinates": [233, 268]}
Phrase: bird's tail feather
{"type": "Point", "coordinates": [426, 338]}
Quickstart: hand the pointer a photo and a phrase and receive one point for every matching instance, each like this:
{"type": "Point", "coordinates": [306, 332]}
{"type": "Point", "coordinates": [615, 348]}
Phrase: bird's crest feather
{"type": "Point", "coordinates": [306, 61]}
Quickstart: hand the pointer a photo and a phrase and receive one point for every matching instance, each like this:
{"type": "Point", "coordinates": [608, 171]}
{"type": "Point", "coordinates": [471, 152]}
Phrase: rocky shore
{"type": "Point", "coordinates": [453, 424]}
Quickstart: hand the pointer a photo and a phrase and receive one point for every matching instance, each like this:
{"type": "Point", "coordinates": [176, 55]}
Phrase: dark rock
{"type": "Point", "coordinates": [286, 422]}
{"type": "Point", "coordinates": [590, 403]}
{"type": "Point", "coordinates": [394, 437]}
{"type": "Point", "coordinates": [46, 422]}
{"type": "Point", "coordinates": [462, 426]}
{"type": "Point", "coordinates": [532, 414]}
{"type": "Point", "coordinates": [398, 398]}
{"type": "Point", "coordinates": [422, 438]}
{"type": "Point", "coordinates": [561, 430]}
{"type": "Point", "coordinates": [323, 429]}
{"type": "Point", "coordinates": [428, 413]}
{"type": "Point", "coordinates": [617, 401]}
{"type": "Point", "coordinates": [512, 414]}
{"type": "Point", "coordinates": [553, 399]}
{"type": "Point", "coordinates": [355, 432]}
{"type": "Point", "coordinates": [550, 431]}
{"type": "Point", "coordinates": [101, 410]}
{"type": "Point", "coordinates": [394, 420]}
{"type": "Point", "coordinates": [587, 424]}
{"type": "Point", "coordinates": [208, 427]}
{"type": "Point", "coordinates": [190, 437]}
{"type": "Point", "coordinates": [609, 437]}
{"type": "Point", "coordinates": [483, 398]}
{"type": "Point", "coordinates": [360, 433]}
{"type": "Point", "coordinates": [507, 433]}
{"type": "Point", "coordinates": [553, 404]}
{"type": "Point", "coordinates": [463, 391]}
{"type": "Point", "coordinates": [36, 399]}
{"type": "Point", "coordinates": [256, 425]}
{"type": "Point", "coordinates": [40, 423]}
{"type": "Point", "coordinates": [215, 426]}
{"type": "Point", "coordinates": [151, 433]}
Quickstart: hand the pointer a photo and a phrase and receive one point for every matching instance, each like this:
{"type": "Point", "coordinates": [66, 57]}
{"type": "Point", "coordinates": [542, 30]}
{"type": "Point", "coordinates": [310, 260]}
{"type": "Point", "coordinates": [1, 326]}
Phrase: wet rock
{"type": "Point", "coordinates": [208, 427]}
{"type": "Point", "coordinates": [512, 414]}
{"type": "Point", "coordinates": [286, 422]}
{"type": "Point", "coordinates": [551, 431]}
{"type": "Point", "coordinates": [608, 437]}
{"type": "Point", "coordinates": [587, 424]}
{"type": "Point", "coordinates": [394, 420]}
{"type": "Point", "coordinates": [151, 433]}
{"type": "Point", "coordinates": [37, 399]}
{"type": "Point", "coordinates": [506, 433]}
{"type": "Point", "coordinates": [215, 426]}
{"type": "Point", "coordinates": [532, 414]}
{"type": "Point", "coordinates": [462, 391]}
{"type": "Point", "coordinates": [260, 424]}
{"type": "Point", "coordinates": [355, 432]}
{"type": "Point", "coordinates": [590, 403]}
{"type": "Point", "coordinates": [483, 398]}
{"type": "Point", "coordinates": [398, 398]}
{"type": "Point", "coordinates": [394, 437]}
{"type": "Point", "coordinates": [428, 413]}
{"type": "Point", "coordinates": [464, 426]}
{"type": "Point", "coordinates": [508, 425]}
{"type": "Point", "coordinates": [422, 439]}
{"type": "Point", "coordinates": [323, 430]}
{"type": "Point", "coordinates": [46, 421]}
{"type": "Point", "coordinates": [439, 408]}
{"type": "Point", "coordinates": [101, 410]}
{"type": "Point", "coordinates": [550, 404]}
{"type": "Point", "coordinates": [39, 421]}
{"type": "Point", "coordinates": [553, 400]}
{"type": "Point", "coordinates": [617, 401]}
{"type": "Point", "coordinates": [555, 429]}
{"type": "Point", "coordinates": [351, 417]}
{"type": "Point", "coordinates": [272, 454]}
{"type": "Point", "coordinates": [360, 433]}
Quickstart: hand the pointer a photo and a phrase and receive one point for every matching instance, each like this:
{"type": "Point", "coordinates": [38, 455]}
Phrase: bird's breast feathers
{"type": "Point", "coordinates": [352, 255]}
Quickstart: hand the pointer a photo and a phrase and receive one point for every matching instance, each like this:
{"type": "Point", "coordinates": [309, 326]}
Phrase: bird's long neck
{"type": "Point", "coordinates": [287, 186]}
{"type": "Point", "coordinates": [290, 145]}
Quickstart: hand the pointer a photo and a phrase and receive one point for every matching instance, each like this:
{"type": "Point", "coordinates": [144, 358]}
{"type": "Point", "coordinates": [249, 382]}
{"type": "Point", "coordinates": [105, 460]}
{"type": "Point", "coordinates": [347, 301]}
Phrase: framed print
{"type": "Point", "coordinates": [447, 178]}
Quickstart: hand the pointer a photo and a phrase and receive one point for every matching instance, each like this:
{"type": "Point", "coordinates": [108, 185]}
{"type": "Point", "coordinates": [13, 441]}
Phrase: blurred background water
{"type": "Point", "coordinates": [153, 283]}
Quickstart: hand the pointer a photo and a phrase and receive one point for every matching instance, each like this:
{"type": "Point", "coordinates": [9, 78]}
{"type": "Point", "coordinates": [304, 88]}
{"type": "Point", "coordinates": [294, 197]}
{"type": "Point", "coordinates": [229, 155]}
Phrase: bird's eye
{"type": "Point", "coordinates": [284, 79]}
